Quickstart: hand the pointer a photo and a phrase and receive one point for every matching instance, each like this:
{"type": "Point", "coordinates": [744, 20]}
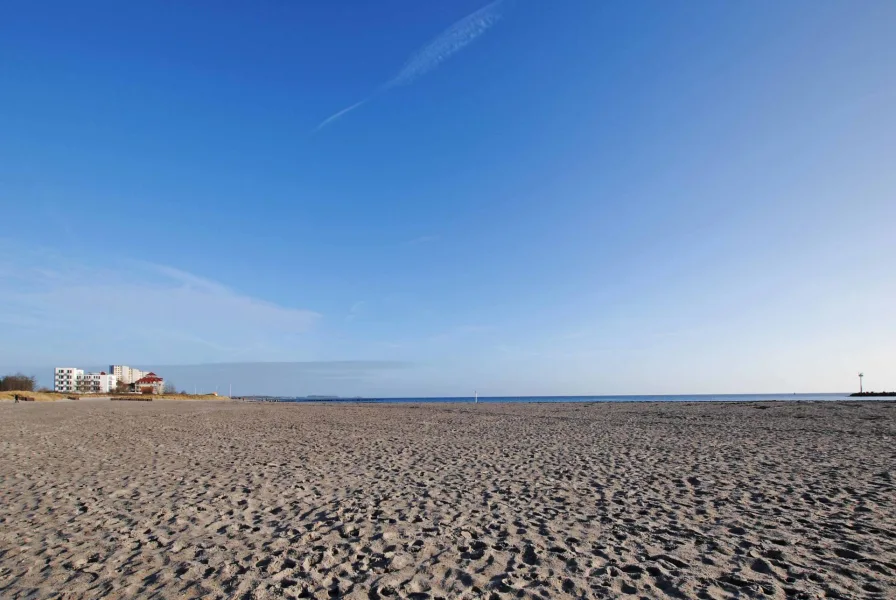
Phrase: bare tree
{"type": "Point", "coordinates": [169, 388]}
{"type": "Point", "coordinates": [18, 383]}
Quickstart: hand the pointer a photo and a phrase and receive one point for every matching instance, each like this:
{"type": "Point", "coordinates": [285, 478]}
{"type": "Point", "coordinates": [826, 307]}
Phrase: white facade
{"type": "Point", "coordinates": [65, 379]}
{"type": "Point", "coordinates": [70, 379]}
{"type": "Point", "coordinates": [97, 383]}
{"type": "Point", "coordinates": [150, 383]}
{"type": "Point", "coordinates": [126, 374]}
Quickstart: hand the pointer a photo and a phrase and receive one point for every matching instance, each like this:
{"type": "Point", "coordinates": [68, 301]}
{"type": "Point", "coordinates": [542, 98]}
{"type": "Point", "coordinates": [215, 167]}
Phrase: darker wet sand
{"type": "Point", "coordinates": [183, 500]}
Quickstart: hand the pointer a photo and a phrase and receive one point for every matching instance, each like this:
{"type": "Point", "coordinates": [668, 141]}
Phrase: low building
{"type": "Point", "coordinates": [149, 384]}
{"type": "Point", "coordinates": [97, 383]}
{"type": "Point", "coordinates": [126, 374]}
{"type": "Point", "coordinates": [65, 379]}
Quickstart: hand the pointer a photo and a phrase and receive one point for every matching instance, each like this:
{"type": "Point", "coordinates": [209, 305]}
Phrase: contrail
{"type": "Point", "coordinates": [335, 116]}
{"type": "Point", "coordinates": [450, 41]}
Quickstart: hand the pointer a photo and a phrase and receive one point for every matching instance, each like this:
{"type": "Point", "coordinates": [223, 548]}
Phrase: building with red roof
{"type": "Point", "coordinates": [149, 384]}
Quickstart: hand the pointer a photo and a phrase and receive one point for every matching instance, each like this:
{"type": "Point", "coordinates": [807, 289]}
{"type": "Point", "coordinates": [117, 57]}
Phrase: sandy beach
{"type": "Point", "coordinates": [221, 500]}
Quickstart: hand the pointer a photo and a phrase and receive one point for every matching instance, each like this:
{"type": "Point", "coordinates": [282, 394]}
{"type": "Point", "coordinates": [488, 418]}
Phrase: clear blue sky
{"type": "Point", "coordinates": [552, 198]}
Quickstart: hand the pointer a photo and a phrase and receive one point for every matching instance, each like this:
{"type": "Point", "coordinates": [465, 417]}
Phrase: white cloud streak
{"type": "Point", "coordinates": [149, 312]}
{"type": "Point", "coordinates": [424, 239]}
{"type": "Point", "coordinates": [449, 42]}
{"type": "Point", "coordinates": [355, 311]}
{"type": "Point", "coordinates": [335, 116]}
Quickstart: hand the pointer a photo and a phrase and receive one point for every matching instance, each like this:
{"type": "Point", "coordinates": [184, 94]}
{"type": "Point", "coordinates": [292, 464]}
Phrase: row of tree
{"type": "Point", "coordinates": [18, 383]}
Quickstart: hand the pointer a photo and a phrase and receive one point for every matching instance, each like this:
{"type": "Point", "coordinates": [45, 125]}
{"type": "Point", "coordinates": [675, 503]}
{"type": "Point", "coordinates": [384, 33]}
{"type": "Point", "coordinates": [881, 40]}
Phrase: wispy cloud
{"type": "Point", "coordinates": [442, 47]}
{"type": "Point", "coordinates": [149, 312]}
{"type": "Point", "coordinates": [336, 115]}
{"type": "Point", "coordinates": [461, 332]}
{"type": "Point", "coordinates": [574, 335]}
{"type": "Point", "coordinates": [356, 310]}
{"type": "Point", "coordinates": [350, 377]}
{"type": "Point", "coordinates": [423, 239]}
{"type": "Point", "coordinates": [449, 42]}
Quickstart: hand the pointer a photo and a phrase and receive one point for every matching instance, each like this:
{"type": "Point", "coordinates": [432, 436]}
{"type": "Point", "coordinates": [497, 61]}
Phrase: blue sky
{"type": "Point", "coordinates": [544, 198]}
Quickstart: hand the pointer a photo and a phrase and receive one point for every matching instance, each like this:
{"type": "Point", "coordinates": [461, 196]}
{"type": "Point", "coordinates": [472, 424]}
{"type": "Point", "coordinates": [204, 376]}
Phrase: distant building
{"type": "Point", "coordinates": [149, 383]}
{"type": "Point", "coordinates": [126, 374]}
{"type": "Point", "coordinates": [65, 379]}
{"type": "Point", "coordinates": [70, 379]}
{"type": "Point", "coordinates": [97, 383]}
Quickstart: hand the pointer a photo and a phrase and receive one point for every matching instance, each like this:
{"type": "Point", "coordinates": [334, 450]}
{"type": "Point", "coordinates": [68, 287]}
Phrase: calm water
{"type": "Point", "coordinates": [496, 399]}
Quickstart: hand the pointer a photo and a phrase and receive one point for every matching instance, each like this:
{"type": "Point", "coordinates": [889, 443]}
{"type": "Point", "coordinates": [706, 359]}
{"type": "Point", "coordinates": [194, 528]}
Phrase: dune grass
{"type": "Point", "coordinates": [67, 396]}
{"type": "Point", "coordinates": [36, 396]}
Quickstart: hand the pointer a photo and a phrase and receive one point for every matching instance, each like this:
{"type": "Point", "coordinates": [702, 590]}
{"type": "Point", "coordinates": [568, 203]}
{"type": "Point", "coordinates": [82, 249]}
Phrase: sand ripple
{"type": "Point", "coordinates": [176, 500]}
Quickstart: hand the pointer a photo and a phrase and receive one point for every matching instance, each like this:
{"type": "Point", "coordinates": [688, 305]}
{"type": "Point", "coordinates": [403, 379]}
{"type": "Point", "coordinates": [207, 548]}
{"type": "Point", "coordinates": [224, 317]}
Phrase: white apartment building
{"type": "Point", "coordinates": [65, 379]}
{"type": "Point", "coordinates": [97, 383]}
{"type": "Point", "coordinates": [70, 379]}
{"type": "Point", "coordinates": [126, 374]}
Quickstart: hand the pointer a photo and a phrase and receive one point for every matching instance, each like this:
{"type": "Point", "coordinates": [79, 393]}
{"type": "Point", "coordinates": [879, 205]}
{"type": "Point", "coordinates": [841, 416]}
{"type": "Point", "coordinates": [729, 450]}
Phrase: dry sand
{"type": "Point", "coordinates": [180, 500]}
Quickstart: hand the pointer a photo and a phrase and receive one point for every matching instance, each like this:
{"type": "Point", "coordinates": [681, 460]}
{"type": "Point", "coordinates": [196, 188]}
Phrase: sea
{"type": "Point", "coordinates": [558, 399]}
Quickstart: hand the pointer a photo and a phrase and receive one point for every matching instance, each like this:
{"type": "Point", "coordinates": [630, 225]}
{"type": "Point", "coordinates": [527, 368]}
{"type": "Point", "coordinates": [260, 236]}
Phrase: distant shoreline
{"type": "Point", "coordinates": [730, 398]}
